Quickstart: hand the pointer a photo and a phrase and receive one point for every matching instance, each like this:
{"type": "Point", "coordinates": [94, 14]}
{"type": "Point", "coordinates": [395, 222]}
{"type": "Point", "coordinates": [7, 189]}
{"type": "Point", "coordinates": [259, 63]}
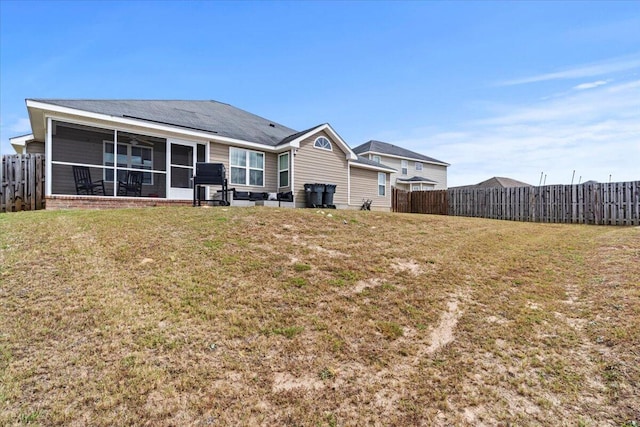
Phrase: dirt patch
{"type": "Point", "coordinates": [443, 334]}
{"type": "Point", "coordinates": [365, 284]}
{"type": "Point", "coordinates": [296, 240]}
{"type": "Point", "coordinates": [409, 266]}
{"type": "Point", "coordinates": [284, 381]}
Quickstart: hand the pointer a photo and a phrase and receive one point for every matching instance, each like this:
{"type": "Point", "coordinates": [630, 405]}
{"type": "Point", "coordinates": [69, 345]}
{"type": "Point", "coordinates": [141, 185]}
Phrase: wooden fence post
{"type": "Point", "coordinates": [22, 186]}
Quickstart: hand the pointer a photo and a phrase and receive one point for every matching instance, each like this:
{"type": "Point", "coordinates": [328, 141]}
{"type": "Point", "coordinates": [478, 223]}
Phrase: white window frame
{"type": "Point", "coordinates": [284, 170]}
{"type": "Point", "coordinates": [247, 167]}
{"type": "Point", "coordinates": [418, 166]}
{"type": "Point", "coordinates": [382, 188]}
{"type": "Point", "coordinates": [404, 165]}
{"type": "Point", "coordinates": [416, 187]}
{"type": "Point", "coordinates": [376, 159]}
{"type": "Point", "coordinates": [324, 146]}
{"type": "Point", "coordinates": [129, 166]}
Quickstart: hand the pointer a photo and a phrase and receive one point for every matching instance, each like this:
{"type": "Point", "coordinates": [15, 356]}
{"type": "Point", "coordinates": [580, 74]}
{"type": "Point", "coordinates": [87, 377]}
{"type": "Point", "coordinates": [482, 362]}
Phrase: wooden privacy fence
{"type": "Point", "coordinates": [22, 183]}
{"type": "Point", "coordinates": [615, 203]}
{"type": "Point", "coordinates": [428, 202]}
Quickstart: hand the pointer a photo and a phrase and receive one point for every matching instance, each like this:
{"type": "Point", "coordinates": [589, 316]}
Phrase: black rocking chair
{"type": "Point", "coordinates": [84, 184]}
{"type": "Point", "coordinates": [132, 185]}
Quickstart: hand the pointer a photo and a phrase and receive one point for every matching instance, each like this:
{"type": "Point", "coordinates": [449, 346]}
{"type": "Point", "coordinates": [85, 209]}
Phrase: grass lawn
{"type": "Point", "coordinates": [258, 316]}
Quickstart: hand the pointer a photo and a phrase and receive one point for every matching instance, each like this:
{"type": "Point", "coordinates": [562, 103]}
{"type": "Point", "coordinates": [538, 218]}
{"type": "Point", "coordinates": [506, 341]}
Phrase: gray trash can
{"type": "Point", "coordinates": [327, 196]}
{"type": "Point", "coordinates": [307, 195]}
{"type": "Point", "coordinates": [316, 194]}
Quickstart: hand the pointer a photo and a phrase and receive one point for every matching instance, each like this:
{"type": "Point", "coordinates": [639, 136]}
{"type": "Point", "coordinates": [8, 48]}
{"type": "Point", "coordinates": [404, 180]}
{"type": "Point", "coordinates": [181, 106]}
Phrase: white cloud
{"type": "Point", "coordinates": [594, 132]}
{"type": "Point", "coordinates": [590, 85]}
{"type": "Point", "coordinates": [589, 70]}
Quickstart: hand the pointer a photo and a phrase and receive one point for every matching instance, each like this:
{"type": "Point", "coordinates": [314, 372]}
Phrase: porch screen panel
{"type": "Point", "coordinates": [181, 166]}
{"type": "Point", "coordinates": [142, 158]}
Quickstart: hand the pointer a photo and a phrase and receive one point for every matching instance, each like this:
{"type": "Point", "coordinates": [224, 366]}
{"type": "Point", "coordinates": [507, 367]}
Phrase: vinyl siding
{"type": "Point", "coordinates": [430, 171]}
{"type": "Point", "coordinates": [219, 153]}
{"type": "Point", "coordinates": [314, 165]}
{"type": "Point", "coordinates": [35, 147]}
{"type": "Point", "coordinates": [364, 185]}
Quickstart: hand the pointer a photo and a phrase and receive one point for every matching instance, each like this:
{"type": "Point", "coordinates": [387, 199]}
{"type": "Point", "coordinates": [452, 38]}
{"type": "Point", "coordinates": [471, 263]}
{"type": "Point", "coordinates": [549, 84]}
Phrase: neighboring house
{"type": "Point", "coordinates": [165, 139]}
{"type": "Point", "coordinates": [25, 144]}
{"type": "Point", "coordinates": [414, 171]}
{"type": "Point", "coordinates": [497, 182]}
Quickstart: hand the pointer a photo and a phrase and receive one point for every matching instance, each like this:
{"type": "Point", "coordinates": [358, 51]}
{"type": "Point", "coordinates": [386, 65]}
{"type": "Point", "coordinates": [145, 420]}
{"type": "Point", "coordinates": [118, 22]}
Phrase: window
{"type": "Point", "coordinates": [283, 170]}
{"type": "Point", "coordinates": [382, 183]}
{"type": "Point", "coordinates": [377, 159]}
{"type": "Point", "coordinates": [415, 187]}
{"type": "Point", "coordinates": [128, 156]}
{"type": "Point", "coordinates": [247, 167]}
{"type": "Point", "coordinates": [405, 167]}
{"type": "Point", "coordinates": [418, 166]}
{"type": "Point", "coordinates": [323, 143]}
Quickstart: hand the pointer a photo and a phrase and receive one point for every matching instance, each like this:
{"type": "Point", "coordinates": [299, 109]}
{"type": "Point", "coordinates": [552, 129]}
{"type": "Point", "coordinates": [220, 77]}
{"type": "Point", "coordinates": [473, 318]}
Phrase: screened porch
{"type": "Point", "coordinates": [113, 159]}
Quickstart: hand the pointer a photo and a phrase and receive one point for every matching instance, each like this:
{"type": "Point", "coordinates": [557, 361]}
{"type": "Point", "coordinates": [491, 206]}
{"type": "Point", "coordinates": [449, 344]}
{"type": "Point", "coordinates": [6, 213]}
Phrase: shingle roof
{"type": "Point", "coordinates": [502, 182]}
{"type": "Point", "coordinates": [298, 134]}
{"type": "Point", "coordinates": [393, 150]}
{"type": "Point", "coordinates": [208, 116]}
{"type": "Point", "coordinates": [416, 179]}
{"type": "Point", "coordinates": [364, 161]}
{"type": "Point", "coordinates": [497, 182]}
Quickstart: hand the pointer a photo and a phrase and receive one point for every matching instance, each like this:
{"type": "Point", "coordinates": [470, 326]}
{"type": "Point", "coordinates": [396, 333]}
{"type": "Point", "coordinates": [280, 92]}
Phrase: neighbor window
{"type": "Point", "coordinates": [128, 156]}
{"type": "Point", "coordinates": [382, 183]}
{"type": "Point", "coordinates": [377, 159]}
{"type": "Point", "coordinates": [418, 166]}
{"type": "Point", "coordinates": [283, 170]}
{"type": "Point", "coordinates": [415, 187]}
{"type": "Point", "coordinates": [323, 143]}
{"type": "Point", "coordinates": [247, 167]}
{"type": "Point", "coordinates": [405, 167]}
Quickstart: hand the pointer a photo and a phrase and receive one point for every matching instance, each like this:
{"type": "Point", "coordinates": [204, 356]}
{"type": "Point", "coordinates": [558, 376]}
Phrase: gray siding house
{"type": "Point", "coordinates": [414, 171]}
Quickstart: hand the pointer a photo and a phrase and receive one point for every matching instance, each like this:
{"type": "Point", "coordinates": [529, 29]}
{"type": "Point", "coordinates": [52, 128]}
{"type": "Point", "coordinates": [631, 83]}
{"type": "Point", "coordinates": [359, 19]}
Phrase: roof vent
{"type": "Point", "coordinates": [272, 125]}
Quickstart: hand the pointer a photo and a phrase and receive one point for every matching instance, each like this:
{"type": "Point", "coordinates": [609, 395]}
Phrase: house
{"type": "Point", "coordinates": [165, 140]}
{"type": "Point", "coordinates": [497, 182]}
{"type": "Point", "coordinates": [414, 171]}
{"type": "Point", "coordinates": [20, 144]}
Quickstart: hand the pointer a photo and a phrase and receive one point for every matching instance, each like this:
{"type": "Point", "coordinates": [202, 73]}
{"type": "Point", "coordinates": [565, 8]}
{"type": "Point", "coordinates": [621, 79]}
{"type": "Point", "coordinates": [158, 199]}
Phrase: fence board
{"type": "Point", "coordinates": [615, 203]}
{"type": "Point", "coordinates": [22, 186]}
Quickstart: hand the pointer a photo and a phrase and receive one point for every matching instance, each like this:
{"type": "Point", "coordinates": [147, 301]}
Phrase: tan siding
{"type": "Point", "coordinates": [219, 153]}
{"type": "Point", "coordinates": [313, 165]}
{"type": "Point", "coordinates": [35, 148]}
{"type": "Point", "coordinates": [364, 185]}
{"type": "Point", "coordinates": [430, 171]}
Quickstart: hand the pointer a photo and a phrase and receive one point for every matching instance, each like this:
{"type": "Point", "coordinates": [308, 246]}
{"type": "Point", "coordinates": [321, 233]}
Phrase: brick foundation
{"type": "Point", "coordinates": [97, 202]}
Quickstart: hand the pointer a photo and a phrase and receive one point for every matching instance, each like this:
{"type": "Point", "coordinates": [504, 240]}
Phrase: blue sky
{"type": "Point", "coordinates": [511, 89]}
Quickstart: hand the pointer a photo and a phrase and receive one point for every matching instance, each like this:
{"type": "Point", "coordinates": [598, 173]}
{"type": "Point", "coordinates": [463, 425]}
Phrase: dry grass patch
{"type": "Point", "coordinates": [256, 316]}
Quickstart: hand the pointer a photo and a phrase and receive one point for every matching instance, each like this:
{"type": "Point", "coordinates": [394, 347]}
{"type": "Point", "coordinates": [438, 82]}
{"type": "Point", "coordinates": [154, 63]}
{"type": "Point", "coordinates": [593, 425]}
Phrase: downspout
{"type": "Point", "coordinates": [292, 155]}
{"type": "Point", "coordinates": [348, 183]}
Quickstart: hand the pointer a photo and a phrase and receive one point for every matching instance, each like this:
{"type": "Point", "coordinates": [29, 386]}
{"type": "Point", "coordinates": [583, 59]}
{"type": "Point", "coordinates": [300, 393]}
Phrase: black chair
{"type": "Point", "coordinates": [84, 184]}
{"type": "Point", "coordinates": [132, 185]}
